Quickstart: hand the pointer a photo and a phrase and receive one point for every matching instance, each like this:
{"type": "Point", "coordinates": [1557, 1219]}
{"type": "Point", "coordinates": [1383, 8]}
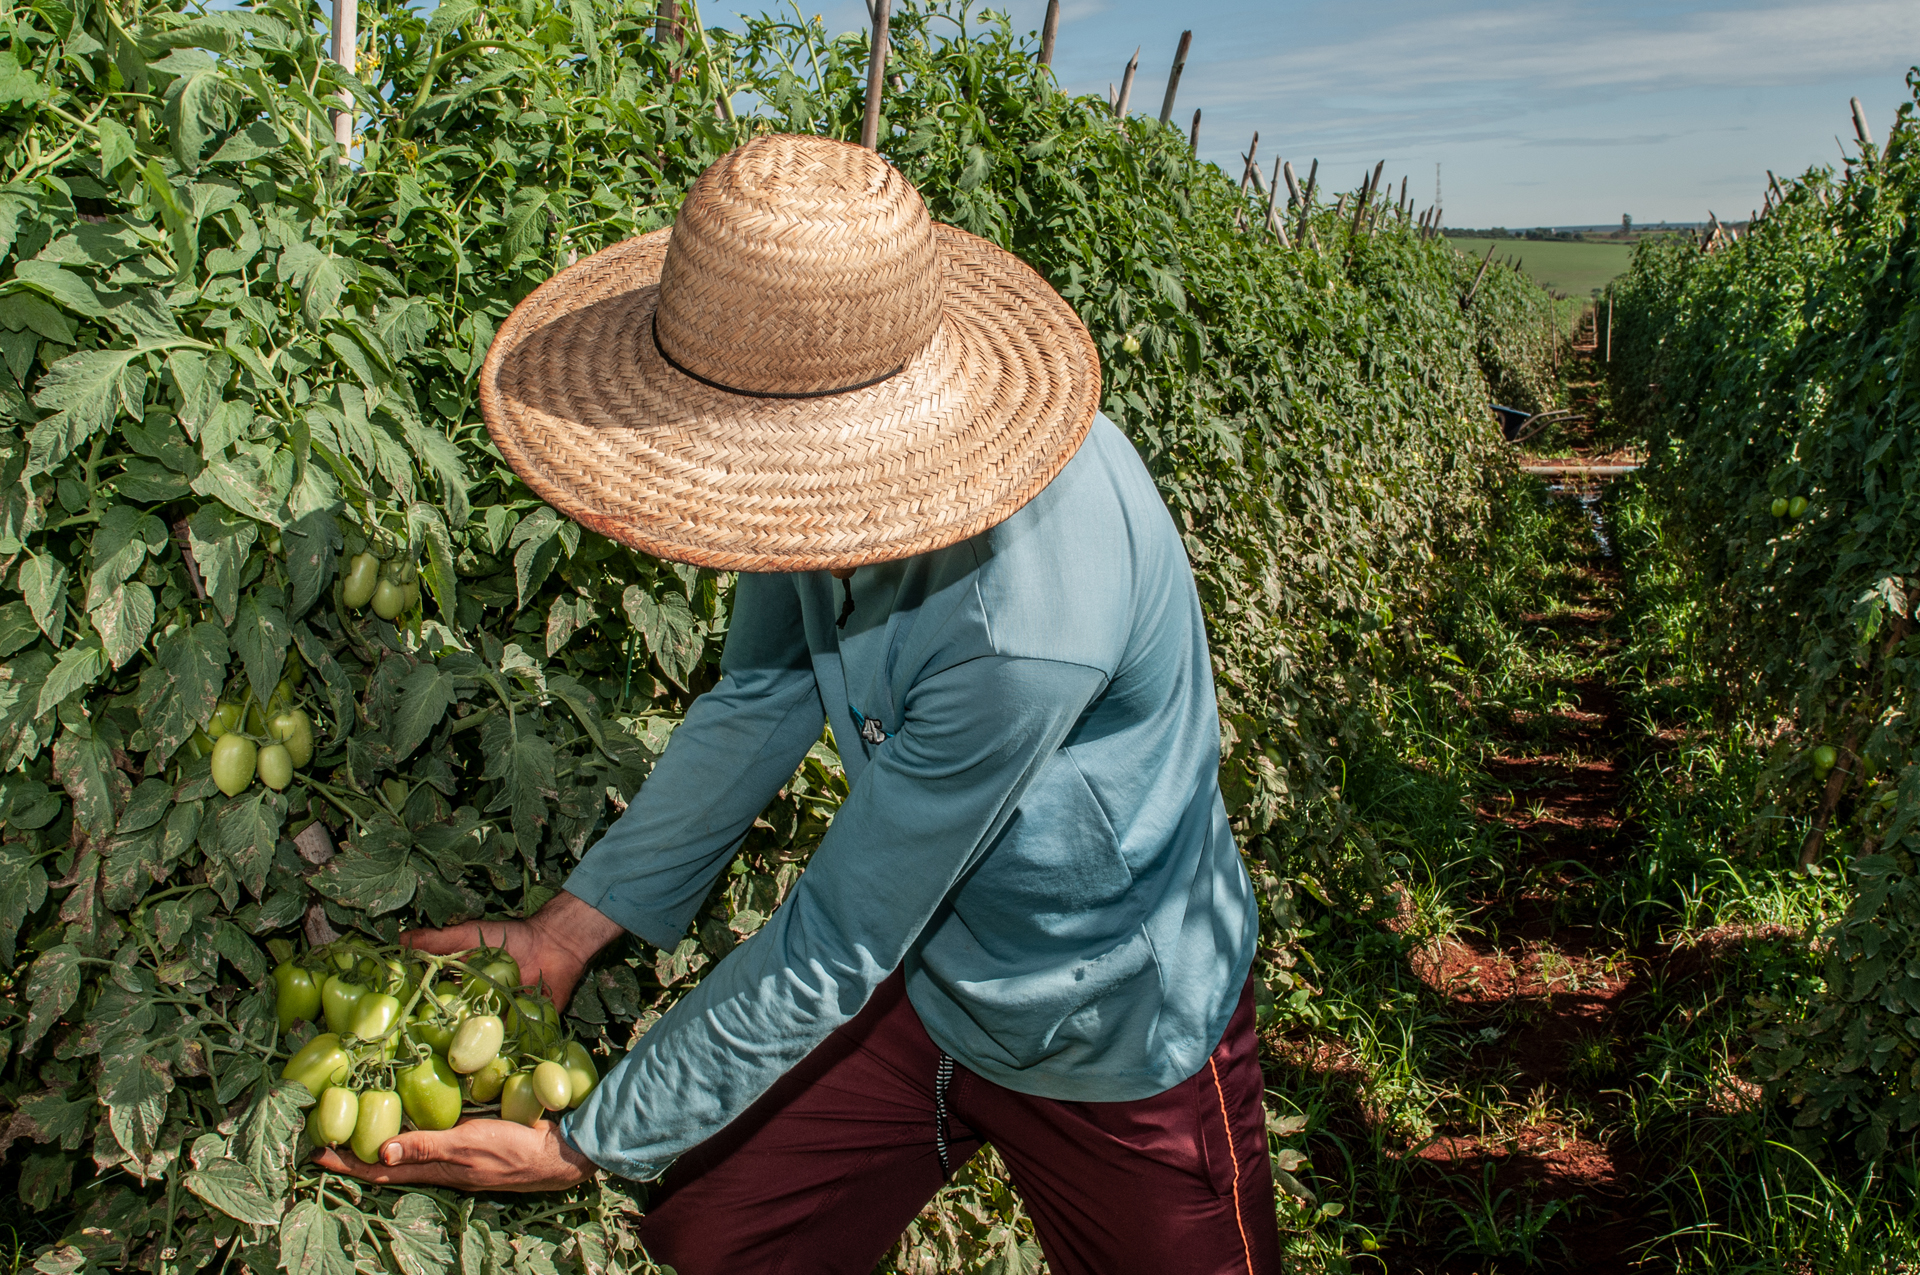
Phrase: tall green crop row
{"type": "Point", "coordinates": [1777, 381]}
{"type": "Point", "coordinates": [235, 364]}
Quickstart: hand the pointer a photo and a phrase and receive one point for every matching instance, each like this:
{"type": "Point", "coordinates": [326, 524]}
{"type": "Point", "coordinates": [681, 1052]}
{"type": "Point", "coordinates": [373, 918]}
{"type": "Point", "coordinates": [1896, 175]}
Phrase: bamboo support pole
{"type": "Point", "coordinates": [1365, 203]}
{"type": "Point", "coordinates": [1126, 87]}
{"type": "Point", "coordinates": [1193, 140]}
{"type": "Point", "coordinates": [1860, 124]}
{"type": "Point", "coordinates": [1273, 203]}
{"type": "Point", "coordinates": [1173, 76]}
{"type": "Point", "coordinates": [1048, 31]}
{"type": "Point", "coordinates": [1306, 203]}
{"type": "Point", "coordinates": [1293, 185]}
{"type": "Point", "coordinates": [1468, 299]}
{"type": "Point", "coordinates": [1609, 355]}
{"type": "Point", "coordinates": [876, 76]}
{"type": "Point", "coordinates": [1246, 173]}
{"type": "Point", "coordinates": [346, 45]}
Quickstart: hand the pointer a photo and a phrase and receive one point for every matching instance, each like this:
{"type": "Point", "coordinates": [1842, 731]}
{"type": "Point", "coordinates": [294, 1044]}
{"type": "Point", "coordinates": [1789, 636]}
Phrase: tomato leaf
{"type": "Point", "coordinates": [52, 988]}
{"type": "Point", "coordinates": [225, 1184]}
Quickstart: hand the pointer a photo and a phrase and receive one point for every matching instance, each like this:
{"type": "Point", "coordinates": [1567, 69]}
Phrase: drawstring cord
{"type": "Point", "coordinates": [942, 1078]}
{"type": "Point", "coordinates": [846, 608]}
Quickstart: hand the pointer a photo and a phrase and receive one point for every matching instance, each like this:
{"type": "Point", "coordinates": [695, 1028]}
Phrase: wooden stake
{"type": "Point", "coordinates": [1048, 30]}
{"type": "Point", "coordinates": [1193, 142]}
{"type": "Point", "coordinates": [667, 25]}
{"type": "Point", "coordinates": [1860, 124]}
{"type": "Point", "coordinates": [346, 45]}
{"type": "Point", "coordinates": [1126, 87]}
{"type": "Point", "coordinates": [1468, 299]}
{"type": "Point", "coordinates": [1273, 203]}
{"type": "Point", "coordinates": [1306, 203]}
{"type": "Point", "coordinates": [1293, 186]}
{"type": "Point", "coordinates": [1173, 76]}
{"type": "Point", "coordinates": [1609, 355]}
{"type": "Point", "coordinates": [1246, 174]}
{"type": "Point", "coordinates": [876, 76]}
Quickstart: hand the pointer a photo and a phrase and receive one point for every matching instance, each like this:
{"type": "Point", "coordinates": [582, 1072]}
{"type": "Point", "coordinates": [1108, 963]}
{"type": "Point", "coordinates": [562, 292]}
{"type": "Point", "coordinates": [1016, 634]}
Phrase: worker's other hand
{"type": "Point", "coordinates": [553, 946]}
{"type": "Point", "coordinates": [474, 1155]}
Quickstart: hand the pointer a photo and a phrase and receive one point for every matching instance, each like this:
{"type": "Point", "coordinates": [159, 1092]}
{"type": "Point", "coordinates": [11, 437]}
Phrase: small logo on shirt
{"type": "Point", "coordinates": [870, 728]}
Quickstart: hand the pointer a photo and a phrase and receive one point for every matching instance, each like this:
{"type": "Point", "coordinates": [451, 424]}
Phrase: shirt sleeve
{"type": "Point", "coordinates": [724, 763]}
{"type": "Point", "coordinates": [930, 803]}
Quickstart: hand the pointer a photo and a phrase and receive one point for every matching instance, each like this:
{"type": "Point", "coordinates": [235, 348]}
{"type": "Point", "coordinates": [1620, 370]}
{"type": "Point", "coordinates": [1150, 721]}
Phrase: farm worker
{"type": "Point", "coordinates": [1028, 924]}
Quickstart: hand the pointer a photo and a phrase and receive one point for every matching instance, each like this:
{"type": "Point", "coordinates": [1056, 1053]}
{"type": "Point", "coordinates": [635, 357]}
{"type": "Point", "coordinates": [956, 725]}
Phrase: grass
{"type": "Point", "coordinates": [1573, 268]}
{"type": "Point", "coordinates": [1536, 1062]}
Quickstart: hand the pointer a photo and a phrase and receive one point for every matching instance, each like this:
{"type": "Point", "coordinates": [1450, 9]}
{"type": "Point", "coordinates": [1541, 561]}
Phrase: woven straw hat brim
{"type": "Point", "coordinates": [585, 408]}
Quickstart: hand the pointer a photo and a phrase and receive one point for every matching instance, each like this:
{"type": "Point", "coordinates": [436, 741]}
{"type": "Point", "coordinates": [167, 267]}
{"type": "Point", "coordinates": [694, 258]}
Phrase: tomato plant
{"type": "Point", "coordinates": [1773, 380]}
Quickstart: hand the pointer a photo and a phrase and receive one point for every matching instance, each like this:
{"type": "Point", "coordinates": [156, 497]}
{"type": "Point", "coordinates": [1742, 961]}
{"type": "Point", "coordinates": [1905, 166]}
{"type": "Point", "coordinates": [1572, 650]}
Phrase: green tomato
{"type": "Point", "coordinates": [281, 696]}
{"type": "Point", "coordinates": [412, 598]}
{"type": "Point", "coordinates": [374, 1015]}
{"type": "Point", "coordinates": [199, 744]}
{"type": "Point", "coordinates": [361, 578]}
{"type": "Point", "coordinates": [476, 1043]}
{"type": "Point", "coordinates": [484, 1085]}
{"type": "Point", "coordinates": [379, 1121]}
{"type": "Point", "coordinates": [1824, 757]}
{"type": "Point", "coordinates": [431, 1094]}
{"type": "Point", "coordinates": [296, 996]}
{"type": "Point", "coordinates": [389, 600]}
{"type": "Point", "coordinates": [523, 1013]}
{"type": "Point", "coordinates": [1779, 506]}
{"type": "Point", "coordinates": [225, 718]}
{"type": "Point", "coordinates": [435, 1034]}
{"type": "Point", "coordinates": [519, 1102]}
{"type": "Point", "coordinates": [1797, 506]}
{"type": "Point", "coordinates": [553, 1085]}
{"type": "Point", "coordinates": [293, 728]}
{"type": "Point", "coordinates": [330, 1121]}
{"type": "Point", "coordinates": [233, 760]}
{"type": "Point", "coordinates": [276, 766]}
{"type": "Point", "coordinates": [501, 968]}
{"type": "Point", "coordinates": [293, 672]}
{"type": "Point", "coordinates": [581, 1072]}
{"type": "Point", "coordinates": [338, 997]}
{"type": "Point", "coordinates": [401, 571]}
{"type": "Point", "coordinates": [318, 1064]}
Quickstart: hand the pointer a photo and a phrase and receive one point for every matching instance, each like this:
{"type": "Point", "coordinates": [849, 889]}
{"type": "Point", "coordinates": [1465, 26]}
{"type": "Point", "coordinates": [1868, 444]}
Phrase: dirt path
{"type": "Point", "coordinates": [1543, 992]}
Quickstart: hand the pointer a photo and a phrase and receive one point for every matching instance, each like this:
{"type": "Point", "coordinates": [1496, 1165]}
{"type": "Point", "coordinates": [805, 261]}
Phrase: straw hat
{"type": "Point", "coordinates": [805, 371]}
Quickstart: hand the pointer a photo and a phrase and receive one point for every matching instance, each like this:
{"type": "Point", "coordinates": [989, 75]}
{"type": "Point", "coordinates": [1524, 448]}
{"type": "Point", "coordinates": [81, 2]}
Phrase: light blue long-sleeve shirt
{"type": "Point", "coordinates": [1033, 824]}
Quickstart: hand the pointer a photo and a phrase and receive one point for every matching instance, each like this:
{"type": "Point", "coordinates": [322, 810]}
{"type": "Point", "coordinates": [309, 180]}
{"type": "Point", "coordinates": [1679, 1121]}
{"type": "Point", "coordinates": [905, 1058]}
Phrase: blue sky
{"type": "Point", "coordinates": [1549, 112]}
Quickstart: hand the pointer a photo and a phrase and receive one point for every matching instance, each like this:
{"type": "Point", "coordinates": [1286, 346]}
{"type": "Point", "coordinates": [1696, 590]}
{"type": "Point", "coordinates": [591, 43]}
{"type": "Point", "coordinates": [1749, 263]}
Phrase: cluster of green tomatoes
{"type": "Point", "coordinates": [392, 587]}
{"type": "Point", "coordinates": [246, 739]}
{"type": "Point", "coordinates": [1785, 508]}
{"type": "Point", "coordinates": [422, 1039]}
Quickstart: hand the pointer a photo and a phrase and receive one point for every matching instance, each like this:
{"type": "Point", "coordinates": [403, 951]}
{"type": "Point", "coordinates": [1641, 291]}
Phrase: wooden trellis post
{"type": "Point", "coordinates": [1173, 76]}
{"type": "Point", "coordinates": [1048, 30]}
{"type": "Point", "coordinates": [876, 76]}
{"type": "Point", "coordinates": [346, 44]}
{"type": "Point", "coordinates": [667, 25]}
{"type": "Point", "coordinates": [1193, 141]}
{"type": "Point", "coordinates": [1126, 86]}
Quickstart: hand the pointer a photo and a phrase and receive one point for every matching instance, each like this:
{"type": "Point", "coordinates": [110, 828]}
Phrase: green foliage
{"type": "Point", "coordinates": [1781, 369]}
{"type": "Point", "coordinates": [235, 360]}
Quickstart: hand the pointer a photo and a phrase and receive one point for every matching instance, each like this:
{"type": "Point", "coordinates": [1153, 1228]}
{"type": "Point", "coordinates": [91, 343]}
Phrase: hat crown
{"type": "Point", "coordinates": [799, 265]}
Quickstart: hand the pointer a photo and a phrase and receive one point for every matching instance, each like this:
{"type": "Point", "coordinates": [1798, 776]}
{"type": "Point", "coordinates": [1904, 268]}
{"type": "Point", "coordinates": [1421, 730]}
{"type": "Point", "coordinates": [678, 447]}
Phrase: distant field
{"type": "Point", "coordinates": [1574, 268]}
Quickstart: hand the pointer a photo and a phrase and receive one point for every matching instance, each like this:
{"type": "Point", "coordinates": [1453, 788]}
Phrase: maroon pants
{"type": "Point", "coordinates": [824, 1172]}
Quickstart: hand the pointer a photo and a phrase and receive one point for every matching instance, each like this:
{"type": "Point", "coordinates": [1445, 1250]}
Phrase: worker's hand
{"type": "Point", "coordinates": [552, 946]}
{"type": "Point", "coordinates": [474, 1155]}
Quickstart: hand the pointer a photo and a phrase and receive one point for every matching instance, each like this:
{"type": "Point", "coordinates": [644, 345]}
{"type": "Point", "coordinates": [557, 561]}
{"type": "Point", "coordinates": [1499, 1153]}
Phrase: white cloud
{"type": "Point", "coordinates": [1568, 46]}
